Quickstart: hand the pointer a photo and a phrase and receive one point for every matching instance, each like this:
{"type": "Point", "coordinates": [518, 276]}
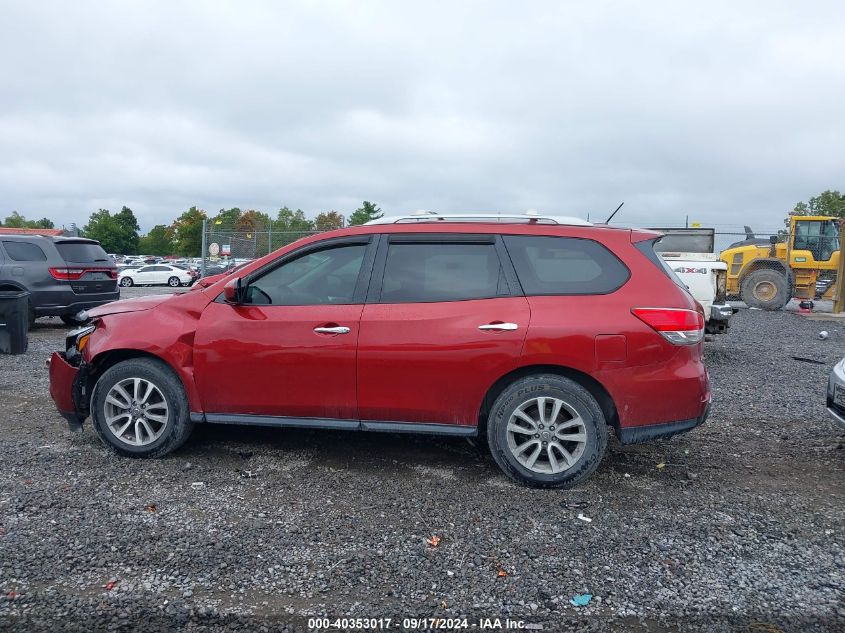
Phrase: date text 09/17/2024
{"type": "Point", "coordinates": [417, 624]}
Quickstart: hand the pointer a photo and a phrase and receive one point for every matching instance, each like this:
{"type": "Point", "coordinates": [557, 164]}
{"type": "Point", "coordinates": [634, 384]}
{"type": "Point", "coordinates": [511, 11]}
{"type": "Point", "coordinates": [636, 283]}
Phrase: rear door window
{"type": "Point", "coordinates": [425, 272]}
{"type": "Point", "coordinates": [548, 265]}
{"type": "Point", "coordinates": [24, 251]}
{"type": "Point", "coordinates": [83, 253]}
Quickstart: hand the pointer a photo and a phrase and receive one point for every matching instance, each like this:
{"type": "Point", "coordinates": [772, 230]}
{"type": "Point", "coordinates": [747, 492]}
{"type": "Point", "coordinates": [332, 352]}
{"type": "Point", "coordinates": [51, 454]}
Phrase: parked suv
{"type": "Point", "coordinates": [535, 333]}
{"type": "Point", "coordinates": [64, 275]}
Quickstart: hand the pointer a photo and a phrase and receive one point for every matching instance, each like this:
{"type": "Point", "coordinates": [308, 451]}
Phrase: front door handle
{"type": "Point", "coordinates": [340, 329]}
{"type": "Point", "coordinates": [498, 326]}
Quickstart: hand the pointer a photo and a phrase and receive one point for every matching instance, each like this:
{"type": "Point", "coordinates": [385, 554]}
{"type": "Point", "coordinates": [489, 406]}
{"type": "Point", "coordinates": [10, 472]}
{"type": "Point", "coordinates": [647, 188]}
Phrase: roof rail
{"type": "Point", "coordinates": [528, 217]}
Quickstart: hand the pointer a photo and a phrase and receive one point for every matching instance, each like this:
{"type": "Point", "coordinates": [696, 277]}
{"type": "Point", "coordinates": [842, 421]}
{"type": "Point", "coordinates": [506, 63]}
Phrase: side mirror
{"type": "Point", "coordinates": [232, 291]}
{"type": "Point", "coordinates": [773, 239]}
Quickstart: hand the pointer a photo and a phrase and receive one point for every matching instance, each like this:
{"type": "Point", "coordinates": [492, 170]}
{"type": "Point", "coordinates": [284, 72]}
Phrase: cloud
{"type": "Point", "coordinates": [720, 110]}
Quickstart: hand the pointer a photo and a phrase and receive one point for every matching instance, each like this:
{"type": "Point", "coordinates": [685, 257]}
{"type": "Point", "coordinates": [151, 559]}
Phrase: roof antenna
{"type": "Point", "coordinates": [607, 221]}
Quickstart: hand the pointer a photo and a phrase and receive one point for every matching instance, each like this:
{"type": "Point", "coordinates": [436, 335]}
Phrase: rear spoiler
{"type": "Point", "coordinates": [641, 235]}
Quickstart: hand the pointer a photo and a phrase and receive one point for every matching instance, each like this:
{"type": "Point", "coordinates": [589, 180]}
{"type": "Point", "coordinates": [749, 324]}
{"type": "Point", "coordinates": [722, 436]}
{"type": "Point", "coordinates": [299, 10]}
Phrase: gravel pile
{"type": "Point", "coordinates": [741, 529]}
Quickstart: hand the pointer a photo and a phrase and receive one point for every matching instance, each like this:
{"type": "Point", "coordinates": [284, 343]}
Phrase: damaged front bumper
{"type": "Point", "coordinates": [67, 388]}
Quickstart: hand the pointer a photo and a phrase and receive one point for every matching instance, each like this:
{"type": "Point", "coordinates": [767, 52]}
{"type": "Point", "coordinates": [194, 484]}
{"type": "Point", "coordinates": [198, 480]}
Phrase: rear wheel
{"type": "Point", "coordinates": [126, 282]}
{"type": "Point", "coordinates": [173, 282]}
{"type": "Point", "coordinates": [547, 431]}
{"type": "Point", "coordinates": [140, 409]}
{"type": "Point", "coordinates": [766, 288]}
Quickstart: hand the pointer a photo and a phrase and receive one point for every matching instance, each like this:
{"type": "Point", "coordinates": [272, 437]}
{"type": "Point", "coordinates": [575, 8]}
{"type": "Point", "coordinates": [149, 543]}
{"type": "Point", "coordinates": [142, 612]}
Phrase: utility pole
{"type": "Point", "coordinates": [204, 245]}
{"type": "Point", "coordinates": [839, 296]}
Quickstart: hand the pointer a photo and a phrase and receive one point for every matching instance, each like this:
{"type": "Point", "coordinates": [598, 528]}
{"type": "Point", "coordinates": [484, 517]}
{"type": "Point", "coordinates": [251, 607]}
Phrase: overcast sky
{"type": "Point", "coordinates": [726, 112]}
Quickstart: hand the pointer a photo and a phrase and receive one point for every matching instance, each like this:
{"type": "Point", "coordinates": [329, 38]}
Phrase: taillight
{"type": "Point", "coordinates": [676, 325]}
{"type": "Point", "coordinates": [74, 274]}
{"type": "Point", "coordinates": [67, 274]}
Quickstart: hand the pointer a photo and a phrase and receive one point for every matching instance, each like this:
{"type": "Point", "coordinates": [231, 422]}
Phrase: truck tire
{"type": "Point", "coordinates": [765, 288]}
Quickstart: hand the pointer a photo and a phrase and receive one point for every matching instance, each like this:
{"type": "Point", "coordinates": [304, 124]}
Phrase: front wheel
{"type": "Point", "coordinates": [765, 288]}
{"type": "Point", "coordinates": [174, 282]}
{"type": "Point", "coordinates": [547, 431]}
{"type": "Point", "coordinates": [140, 409]}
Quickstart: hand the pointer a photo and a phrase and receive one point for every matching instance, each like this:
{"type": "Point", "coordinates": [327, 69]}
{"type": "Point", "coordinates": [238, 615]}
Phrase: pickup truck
{"type": "Point", "coordinates": [689, 252]}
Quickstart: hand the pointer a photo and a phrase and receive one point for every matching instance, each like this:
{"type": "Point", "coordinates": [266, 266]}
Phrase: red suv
{"type": "Point", "coordinates": [535, 332]}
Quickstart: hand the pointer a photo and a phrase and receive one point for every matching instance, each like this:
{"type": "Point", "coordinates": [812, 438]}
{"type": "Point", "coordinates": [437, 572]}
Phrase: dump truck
{"type": "Point", "coordinates": [801, 264]}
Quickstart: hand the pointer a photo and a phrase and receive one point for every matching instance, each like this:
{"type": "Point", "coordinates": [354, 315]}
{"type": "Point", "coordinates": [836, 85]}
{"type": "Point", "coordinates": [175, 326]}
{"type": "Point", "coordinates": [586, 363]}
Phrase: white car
{"type": "Point", "coordinates": [836, 394]}
{"type": "Point", "coordinates": [156, 275]}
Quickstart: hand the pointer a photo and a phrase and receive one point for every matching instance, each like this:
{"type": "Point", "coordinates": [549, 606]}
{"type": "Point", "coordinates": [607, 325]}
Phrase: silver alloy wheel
{"type": "Point", "coordinates": [174, 282]}
{"type": "Point", "coordinates": [136, 411]}
{"type": "Point", "coordinates": [126, 282]}
{"type": "Point", "coordinates": [546, 435]}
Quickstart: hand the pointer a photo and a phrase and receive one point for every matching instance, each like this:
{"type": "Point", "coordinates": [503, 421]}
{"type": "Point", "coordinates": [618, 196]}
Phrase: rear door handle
{"type": "Point", "coordinates": [340, 329]}
{"type": "Point", "coordinates": [498, 326]}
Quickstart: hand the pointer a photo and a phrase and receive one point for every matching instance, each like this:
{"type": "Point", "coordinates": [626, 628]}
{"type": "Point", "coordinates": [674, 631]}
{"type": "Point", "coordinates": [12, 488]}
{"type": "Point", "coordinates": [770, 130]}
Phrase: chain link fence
{"type": "Point", "coordinates": [228, 248]}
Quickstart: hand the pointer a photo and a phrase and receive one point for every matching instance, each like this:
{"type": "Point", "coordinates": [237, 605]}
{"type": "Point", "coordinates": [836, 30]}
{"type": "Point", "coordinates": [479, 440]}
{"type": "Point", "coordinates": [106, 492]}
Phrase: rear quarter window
{"type": "Point", "coordinates": [82, 252]}
{"type": "Point", "coordinates": [548, 265]}
{"type": "Point", "coordinates": [647, 248]}
{"type": "Point", "coordinates": [24, 251]}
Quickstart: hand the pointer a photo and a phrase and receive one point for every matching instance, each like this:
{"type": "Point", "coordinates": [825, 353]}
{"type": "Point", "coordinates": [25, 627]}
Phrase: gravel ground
{"type": "Point", "coordinates": [259, 529]}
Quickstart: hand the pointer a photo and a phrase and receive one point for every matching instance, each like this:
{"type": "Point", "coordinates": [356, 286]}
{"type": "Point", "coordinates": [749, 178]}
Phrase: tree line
{"type": "Point", "coordinates": [120, 232]}
{"type": "Point", "coordinates": [830, 203]}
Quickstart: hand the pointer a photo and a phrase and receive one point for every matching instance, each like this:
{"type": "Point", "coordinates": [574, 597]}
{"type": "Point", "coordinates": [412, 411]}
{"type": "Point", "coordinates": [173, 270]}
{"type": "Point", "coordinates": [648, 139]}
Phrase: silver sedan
{"type": "Point", "coordinates": [836, 393]}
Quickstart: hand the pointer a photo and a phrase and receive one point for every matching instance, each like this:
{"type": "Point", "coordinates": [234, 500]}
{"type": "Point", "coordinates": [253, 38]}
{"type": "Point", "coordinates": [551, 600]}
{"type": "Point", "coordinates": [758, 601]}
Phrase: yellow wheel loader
{"type": "Point", "coordinates": [767, 273]}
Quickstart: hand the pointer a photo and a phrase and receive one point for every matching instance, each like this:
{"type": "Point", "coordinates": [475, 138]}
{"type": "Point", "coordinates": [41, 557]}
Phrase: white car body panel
{"type": "Point", "coordinates": [698, 272]}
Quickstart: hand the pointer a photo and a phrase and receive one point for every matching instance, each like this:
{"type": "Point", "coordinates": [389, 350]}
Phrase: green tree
{"type": "Point", "coordinates": [116, 233]}
{"type": "Point", "coordinates": [129, 229]}
{"type": "Point", "coordinates": [17, 221]}
{"type": "Point", "coordinates": [366, 212]}
{"type": "Point", "coordinates": [289, 221]}
{"type": "Point", "coordinates": [830, 203]}
{"type": "Point", "coordinates": [105, 229]}
{"type": "Point", "coordinates": [159, 241]}
{"type": "Point", "coordinates": [187, 232]}
{"type": "Point", "coordinates": [328, 220]}
{"type": "Point", "coordinates": [225, 220]}
{"type": "Point", "coordinates": [43, 223]}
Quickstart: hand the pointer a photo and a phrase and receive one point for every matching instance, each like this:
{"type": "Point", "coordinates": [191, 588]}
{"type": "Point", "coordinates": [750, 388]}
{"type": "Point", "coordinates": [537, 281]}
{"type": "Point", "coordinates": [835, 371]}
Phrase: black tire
{"type": "Point", "coordinates": [174, 282]}
{"type": "Point", "coordinates": [126, 282]}
{"type": "Point", "coordinates": [765, 288]}
{"type": "Point", "coordinates": [69, 319]}
{"type": "Point", "coordinates": [178, 426]}
{"type": "Point", "coordinates": [576, 397]}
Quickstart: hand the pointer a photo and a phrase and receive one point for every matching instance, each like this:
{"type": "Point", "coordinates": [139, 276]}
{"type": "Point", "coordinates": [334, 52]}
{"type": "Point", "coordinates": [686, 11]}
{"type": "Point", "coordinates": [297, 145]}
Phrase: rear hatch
{"type": "Point", "coordinates": [89, 270]}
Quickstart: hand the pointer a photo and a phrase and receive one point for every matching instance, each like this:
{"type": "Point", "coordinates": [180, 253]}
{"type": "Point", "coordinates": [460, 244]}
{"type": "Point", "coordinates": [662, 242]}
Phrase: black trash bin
{"type": "Point", "coordinates": [14, 321]}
